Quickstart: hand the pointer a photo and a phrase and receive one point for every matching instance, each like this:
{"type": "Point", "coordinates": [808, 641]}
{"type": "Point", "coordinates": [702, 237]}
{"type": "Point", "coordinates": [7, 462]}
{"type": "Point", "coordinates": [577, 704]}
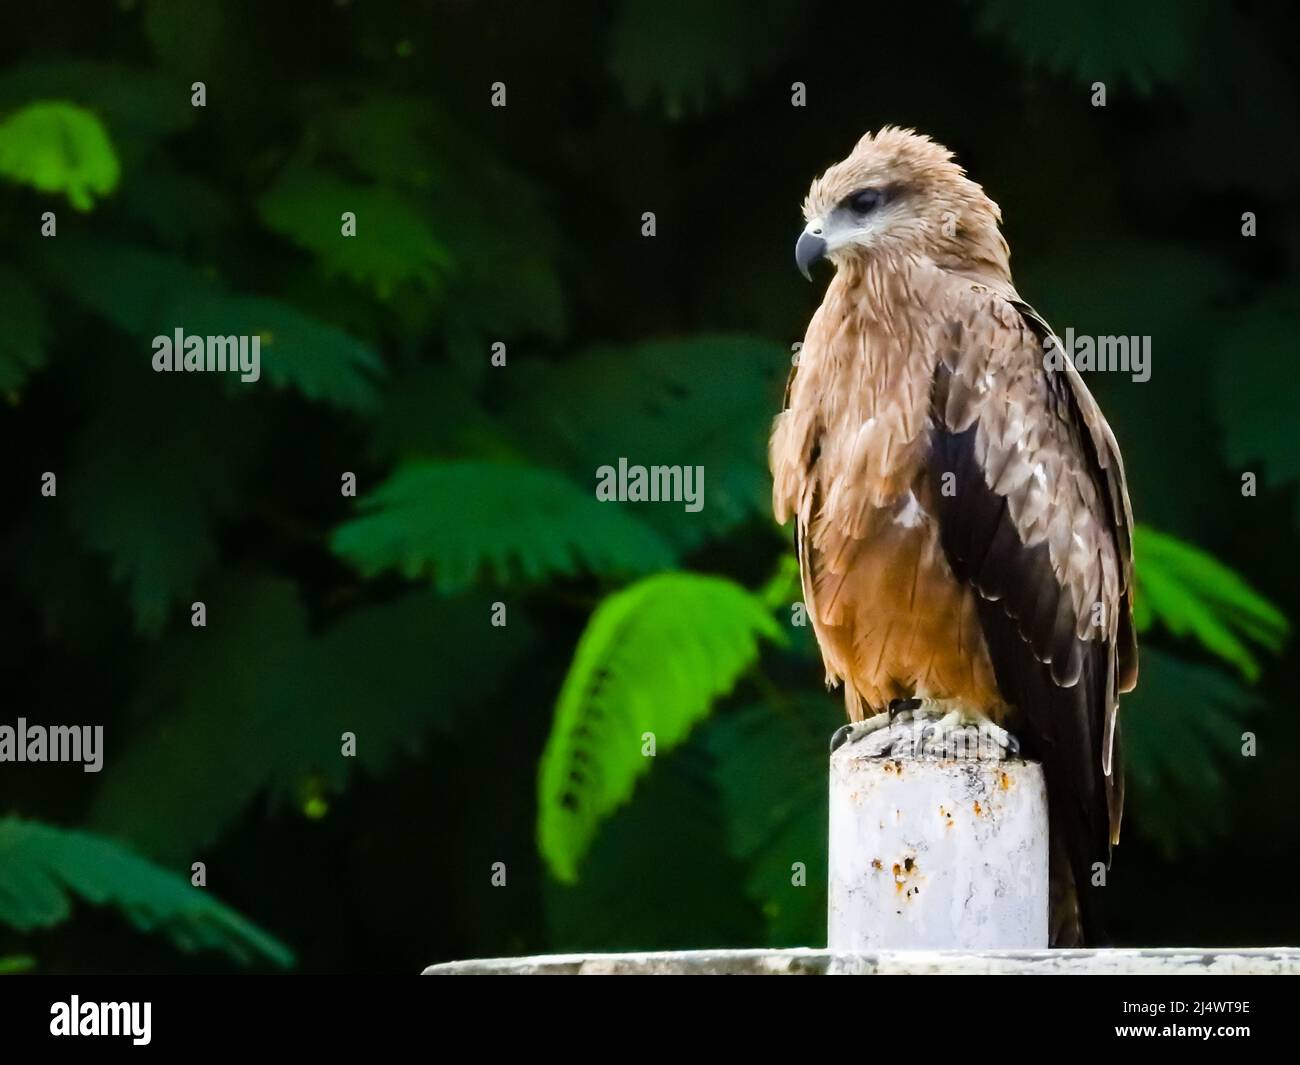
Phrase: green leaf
{"type": "Point", "coordinates": [783, 595]}
{"type": "Point", "coordinates": [140, 290]}
{"type": "Point", "coordinates": [42, 866]}
{"type": "Point", "coordinates": [151, 473]}
{"type": "Point", "coordinates": [707, 401]}
{"type": "Point", "coordinates": [209, 738]}
{"type": "Point", "coordinates": [150, 293]}
{"type": "Point", "coordinates": [16, 963]}
{"type": "Point", "coordinates": [187, 35]}
{"type": "Point", "coordinates": [394, 243]}
{"type": "Point", "coordinates": [59, 147]}
{"type": "Point", "coordinates": [456, 521]}
{"type": "Point", "coordinates": [652, 659]}
{"type": "Point", "coordinates": [212, 739]}
{"type": "Point", "coordinates": [1145, 44]}
{"type": "Point", "coordinates": [690, 56]}
{"type": "Point", "coordinates": [404, 649]}
{"type": "Point", "coordinates": [1181, 727]}
{"type": "Point", "coordinates": [784, 586]}
{"type": "Point", "coordinates": [26, 330]}
{"type": "Point", "coordinates": [670, 843]}
{"type": "Point", "coordinates": [1192, 593]}
{"type": "Point", "coordinates": [140, 107]}
{"type": "Point", "coordinates": [779, 754]}
{"type": "Point", "coordinates": [498, 227]}
{"type": "Point", "coordinates": [297, 351]}
{"type": "Point", "coordinates": [177, 208]}
{"type": "Point", "coordinates": [1257, 414]}
{"type": "Point", "coordinates": [402, 142]}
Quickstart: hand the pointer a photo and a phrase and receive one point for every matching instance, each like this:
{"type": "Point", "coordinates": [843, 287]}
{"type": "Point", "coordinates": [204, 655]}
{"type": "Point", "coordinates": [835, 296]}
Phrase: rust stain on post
{"type": "Point", "coordinates": [984, 856]}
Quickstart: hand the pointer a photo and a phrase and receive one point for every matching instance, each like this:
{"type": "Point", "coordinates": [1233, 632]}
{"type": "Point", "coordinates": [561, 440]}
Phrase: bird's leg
{"type": "Point", "coordinates": [930, 728]}
{"type": "Point", "coordinates": [859, 730]}
{"type": "Point", "coordinates": [949, 728]}
{"type": "Point", "coordinates": [899, 711]}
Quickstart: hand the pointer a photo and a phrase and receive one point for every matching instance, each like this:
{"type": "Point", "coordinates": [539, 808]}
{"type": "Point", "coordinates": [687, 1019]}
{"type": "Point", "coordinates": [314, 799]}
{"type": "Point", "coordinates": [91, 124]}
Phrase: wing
{"type": "Point", "coordinates": [793, 451]}
{"type": "Point", "coordinates": [1034, 515]}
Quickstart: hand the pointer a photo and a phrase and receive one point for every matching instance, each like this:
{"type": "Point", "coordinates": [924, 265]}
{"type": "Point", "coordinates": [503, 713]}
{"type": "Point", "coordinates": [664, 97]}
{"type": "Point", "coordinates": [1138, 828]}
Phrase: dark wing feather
{"type": "Point", "coordinates": [1107, 467]}
{"type": "Point", "coordinates": [1035, 517]}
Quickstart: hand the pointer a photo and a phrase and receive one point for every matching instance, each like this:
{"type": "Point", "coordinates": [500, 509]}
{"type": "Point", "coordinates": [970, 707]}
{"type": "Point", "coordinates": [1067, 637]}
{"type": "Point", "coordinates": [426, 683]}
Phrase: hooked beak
{"type": "Point", "coordinates": [810, 248]}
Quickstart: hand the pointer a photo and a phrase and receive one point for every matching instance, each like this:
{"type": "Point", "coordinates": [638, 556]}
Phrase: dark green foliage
{"type": "Point", "coordinates": [660, 876]}
{"type": "Point", "coordinates": [22, 349]}
{"type": "Point", "coordinates": [520, 226]}
{"type": "Point", "coordinates": [1260, 420]}
{"type": "Point", "coordinates": [274, 726]}
{"type": "Point", "coordinates": [513, 522]}
{"type": "Point", "coordinates": [705, 401]}
{"type": "Point", "coordinates": [688, 57]}
{"type": "Point", "coordinates": [41, 866]}
{"type": "Point", "coordinates": [394, 245]}
{"type": "Point", "coordinates": [776, 810]}
{"type": "Point", "coordinates": [149, 294]}
{"type": "Point", "coordinates": [1182, 730]}
{"type": "Point", "coordinates": [1144, 45]}
{"type": "Point", "coordinates": [151, 509]}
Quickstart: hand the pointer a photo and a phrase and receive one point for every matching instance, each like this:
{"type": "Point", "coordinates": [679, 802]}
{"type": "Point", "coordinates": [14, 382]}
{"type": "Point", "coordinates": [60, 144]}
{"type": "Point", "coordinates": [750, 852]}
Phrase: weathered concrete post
{"type": "Point", "coordinates": [935, 853]}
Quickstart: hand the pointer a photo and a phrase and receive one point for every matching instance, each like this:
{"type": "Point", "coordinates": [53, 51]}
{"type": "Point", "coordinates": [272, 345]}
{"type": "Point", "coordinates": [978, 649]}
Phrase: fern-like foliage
{"type": "Point", "coordinates": [211, 739]}
{"type": "Point", "coordinates": [653, 659]}
{"type": "Point", "coordinates": [151, 472]}
{"type": "Point", "coordinates": [22, 345]}
{"type": "Point", "coordinates": [660, 875]}
{"type": "Point", "coordinates": [501, 239]}
{"type": "Point", "coordinates": [394, 243]}
{"type": "Point", "coordinates": [176, 207]}
{"type": "Point", "coordinates": [1192, 593]}
{"type": "Point", "coordinates": [689, 57]}
{"type": "Point", "coordinates": [149, 293]}
{"type": "Point", "coordinates": [59, 147]}
{"type": "Point", "coordinates": [707, 401]}
{"type": "Point", "coordinates": [1182, 729]}
{"type": "Point", "coordinates": [1145, 44]}
{"type": "Point", "coordinates": [42, 867]}
{"type": "Point", "coordinates": [778, 753]}
{"type": "Point", "coordinates": [140, 107]}
{"type": "Point", "coordinates": [457, 521]}
{"type": "Point", "coordinates": [1260, 422]}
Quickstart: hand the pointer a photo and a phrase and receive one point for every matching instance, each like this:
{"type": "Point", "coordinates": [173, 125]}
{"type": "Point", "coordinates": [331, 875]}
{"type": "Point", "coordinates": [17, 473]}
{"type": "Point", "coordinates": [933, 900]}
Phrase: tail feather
{"type": "Point", "coordinates": [1057, 726]}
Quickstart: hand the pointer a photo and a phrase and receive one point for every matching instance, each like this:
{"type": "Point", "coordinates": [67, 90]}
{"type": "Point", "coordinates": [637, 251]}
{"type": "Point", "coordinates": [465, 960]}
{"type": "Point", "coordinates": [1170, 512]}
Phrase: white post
{"type": "Point", "coordinates": [936, 854]}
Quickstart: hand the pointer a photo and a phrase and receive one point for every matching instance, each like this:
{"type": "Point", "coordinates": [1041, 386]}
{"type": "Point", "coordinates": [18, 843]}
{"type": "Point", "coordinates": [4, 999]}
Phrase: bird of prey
{"type": "Point", "coordinates": [962, 523]}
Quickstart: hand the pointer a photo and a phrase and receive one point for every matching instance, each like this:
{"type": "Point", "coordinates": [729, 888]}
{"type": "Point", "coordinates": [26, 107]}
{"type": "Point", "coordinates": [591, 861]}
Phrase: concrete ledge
{"type": "Point", "coordinates": [806, 961]}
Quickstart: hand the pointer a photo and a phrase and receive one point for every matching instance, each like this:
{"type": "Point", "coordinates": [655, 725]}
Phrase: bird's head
{"type": "Point", "coordinates": [900, 194]}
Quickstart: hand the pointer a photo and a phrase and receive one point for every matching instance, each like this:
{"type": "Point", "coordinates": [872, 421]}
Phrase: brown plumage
{"type": "Point", "coordinates": [961, 517]}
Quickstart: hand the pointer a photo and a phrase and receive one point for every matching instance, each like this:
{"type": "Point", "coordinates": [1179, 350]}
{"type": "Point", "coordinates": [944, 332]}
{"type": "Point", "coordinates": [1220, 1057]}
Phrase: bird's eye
{"type": "Point", "coordinates": [865, 201]}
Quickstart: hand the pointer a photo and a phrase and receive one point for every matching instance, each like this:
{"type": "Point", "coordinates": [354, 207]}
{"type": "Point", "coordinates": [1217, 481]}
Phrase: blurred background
{"type": "Point", "coordinates": [495, 640]}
